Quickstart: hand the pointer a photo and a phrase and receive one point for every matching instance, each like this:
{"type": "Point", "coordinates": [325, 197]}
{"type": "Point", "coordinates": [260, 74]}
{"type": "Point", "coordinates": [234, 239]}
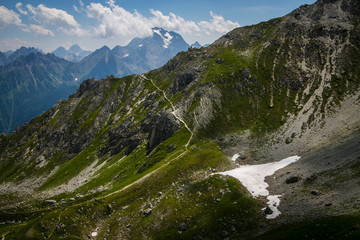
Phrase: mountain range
{"type": "Point", "coordinates": [74, 54]}
{"type": "Point", "coordinates": [20, 72]}
{"type": "Point", "coordinates": [9, 57]}
{"type": "Point", "coordinates": [253, 137]}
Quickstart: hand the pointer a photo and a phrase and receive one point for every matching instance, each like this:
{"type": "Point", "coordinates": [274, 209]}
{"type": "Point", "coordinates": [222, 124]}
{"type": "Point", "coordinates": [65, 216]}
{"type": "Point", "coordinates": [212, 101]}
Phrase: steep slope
{"type": "Point", "coordinates": [30, 85]}
{"type": "Point", "coordinates": [8, 57]}
{"type": "Point", "coordinates": [3, 59]}
{"type": "Point", "coordinates": [97, 65]}
{"type": "Point", "coordinates": [134, 158]}
{"type": "Point", "coordinates": [23, 51]}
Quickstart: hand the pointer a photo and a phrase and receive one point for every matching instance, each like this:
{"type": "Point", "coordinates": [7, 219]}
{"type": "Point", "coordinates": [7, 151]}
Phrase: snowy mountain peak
{"type": "Point", "coordinates": [165, 35]}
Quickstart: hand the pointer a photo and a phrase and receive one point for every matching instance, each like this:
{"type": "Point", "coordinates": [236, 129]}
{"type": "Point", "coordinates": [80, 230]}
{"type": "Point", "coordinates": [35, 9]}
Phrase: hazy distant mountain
{"type": "Point", "coordinates": [22, 52]}
{"type": "Point", "coordinates": [74, 54]}
{"type": "Point", "coordinates": [10, 56]}
{"type": "Point", "coordinates": [31, 82]}
{"type": "Point", "coordinates": [196, 45]}
{"type": "Point", "coordinates": [97, 65]}
{"type": "Point", "coordinates": [8, 53]}
{"type": "Point", "coordinates": [3, 59]}
{"type": "Point", "coordinates": [30, 85]}
{"type": "Point", "coordinates": [140, 55]}
{"type": "Point", "coordinates": [60, 52]}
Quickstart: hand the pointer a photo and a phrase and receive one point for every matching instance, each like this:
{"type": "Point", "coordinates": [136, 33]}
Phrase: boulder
{"type": "Point", "coordinates": [292, 179]}
{"type": "Point", "coordinates": [147, 212]}
{"type": "Point", "coordinates": [109, 207]}
{"type": "Point", "coordinates": [268, 210]}
{"type": "Point", "coordinates": [315, 192]}
{"type": "Point", "coordinates": [182, 226]}
{"type": "Point", "coordinates": [50, 202]}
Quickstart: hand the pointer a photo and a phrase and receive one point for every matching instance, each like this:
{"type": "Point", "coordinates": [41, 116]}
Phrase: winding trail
{"type": "Point", "coordinates": [150, 173]}
{"type": "Point", "coordinates": [145, 176]}
{"type": "Point", "coordinates": [57, 224]}
{"type": "Point", "coordinates": [173, 108]}
{"type": "Point", "coordinates": [164, 165]}
{"type": "Point", "coordinates": [3, 236]}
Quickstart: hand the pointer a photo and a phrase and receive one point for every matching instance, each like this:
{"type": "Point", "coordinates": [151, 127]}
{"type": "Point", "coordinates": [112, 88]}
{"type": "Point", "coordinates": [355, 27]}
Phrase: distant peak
{"type": "Point", "coordinates": [75, 48]}
{"type": "Point", "coordinates": [104, 48]}
{"type": "Point", "coordinates": [196, 45]}
{"type": "Point", "coordinates": [157, 28]}
{"type": "Point", "coordinates": [165, 35]}
{"type": "Point", "coordinates": [22, 48]}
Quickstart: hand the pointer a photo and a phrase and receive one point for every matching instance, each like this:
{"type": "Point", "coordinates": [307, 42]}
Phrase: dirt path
{"type": "Point", "coordinates": [145, 176]}
{"type": "Point", "coordinates": [173, 108]}
{"type": "Point", "coordinates": [153, 172]}
{"type": "Point", "coordinates": [57, 224]}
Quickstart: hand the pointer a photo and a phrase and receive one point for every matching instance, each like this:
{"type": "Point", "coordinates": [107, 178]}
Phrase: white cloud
{"type": "Point", "coordinates": [52, 16]}
{"type": "Point", "coordinates": [39, 30]}
{"type": "Point", "coordinates": [75, 31]}
{"type": "Point", "coordinates": [9, 17]}
{"type": "Point", "coordinates": [111, 3]}
{"type": "Point", "coordinates": [79, 8]}
{"type": "Point", "coordinates": [115, 21]}
{"type": "Point", "coordinates": [172, 22]}
{"type": "Point", "coordinates": [76, 9]}
{"type": "Point", "coordinates": [217, 24]}
{"type": "Point", "coordinates": [18, 7]}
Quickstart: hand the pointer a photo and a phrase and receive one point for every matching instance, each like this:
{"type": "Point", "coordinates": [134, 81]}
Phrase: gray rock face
{"type": "Point", "coordinates": [163, 125]}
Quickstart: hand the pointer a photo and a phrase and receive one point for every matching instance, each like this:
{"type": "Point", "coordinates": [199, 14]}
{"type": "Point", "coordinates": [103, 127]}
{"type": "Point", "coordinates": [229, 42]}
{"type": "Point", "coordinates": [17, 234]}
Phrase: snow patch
{"type": "Point", "coordinates": [157, 31]}
{"type": "Point", "coordinates": [166, 38]}
{"type": "Point", "coordinates": [236, 156]}
{"type": "Point", "coordinates": [125, 55]}
{"type": "Point", "coordinates": [141, 45]}
{"type": "Point", "coordinates": [273, 202]}
{"type": "Point", "coordinates": [253, 178]}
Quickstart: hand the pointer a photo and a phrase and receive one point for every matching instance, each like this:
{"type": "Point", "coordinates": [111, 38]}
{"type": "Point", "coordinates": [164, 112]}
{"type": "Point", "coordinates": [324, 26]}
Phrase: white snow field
{"type": "Point", "coordinates": [253, 178]}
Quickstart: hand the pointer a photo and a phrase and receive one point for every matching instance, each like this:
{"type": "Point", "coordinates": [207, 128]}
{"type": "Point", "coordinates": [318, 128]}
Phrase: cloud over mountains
{"type": "Point", "coordinates": [135, 24]}
{"type": "Point", "coordinates": [107, 20]}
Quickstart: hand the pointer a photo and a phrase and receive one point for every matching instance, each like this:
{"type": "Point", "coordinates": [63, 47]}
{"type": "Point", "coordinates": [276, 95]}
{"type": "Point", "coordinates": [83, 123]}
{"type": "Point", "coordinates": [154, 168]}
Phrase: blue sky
{"type": "Point", "coordinates": [92, 24]}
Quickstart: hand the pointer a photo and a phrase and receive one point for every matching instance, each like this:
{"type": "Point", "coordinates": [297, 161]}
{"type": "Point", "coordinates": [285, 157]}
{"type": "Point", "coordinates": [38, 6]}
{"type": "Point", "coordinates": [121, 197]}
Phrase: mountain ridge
{"type": "Point", "coordinates": [120, 61]}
